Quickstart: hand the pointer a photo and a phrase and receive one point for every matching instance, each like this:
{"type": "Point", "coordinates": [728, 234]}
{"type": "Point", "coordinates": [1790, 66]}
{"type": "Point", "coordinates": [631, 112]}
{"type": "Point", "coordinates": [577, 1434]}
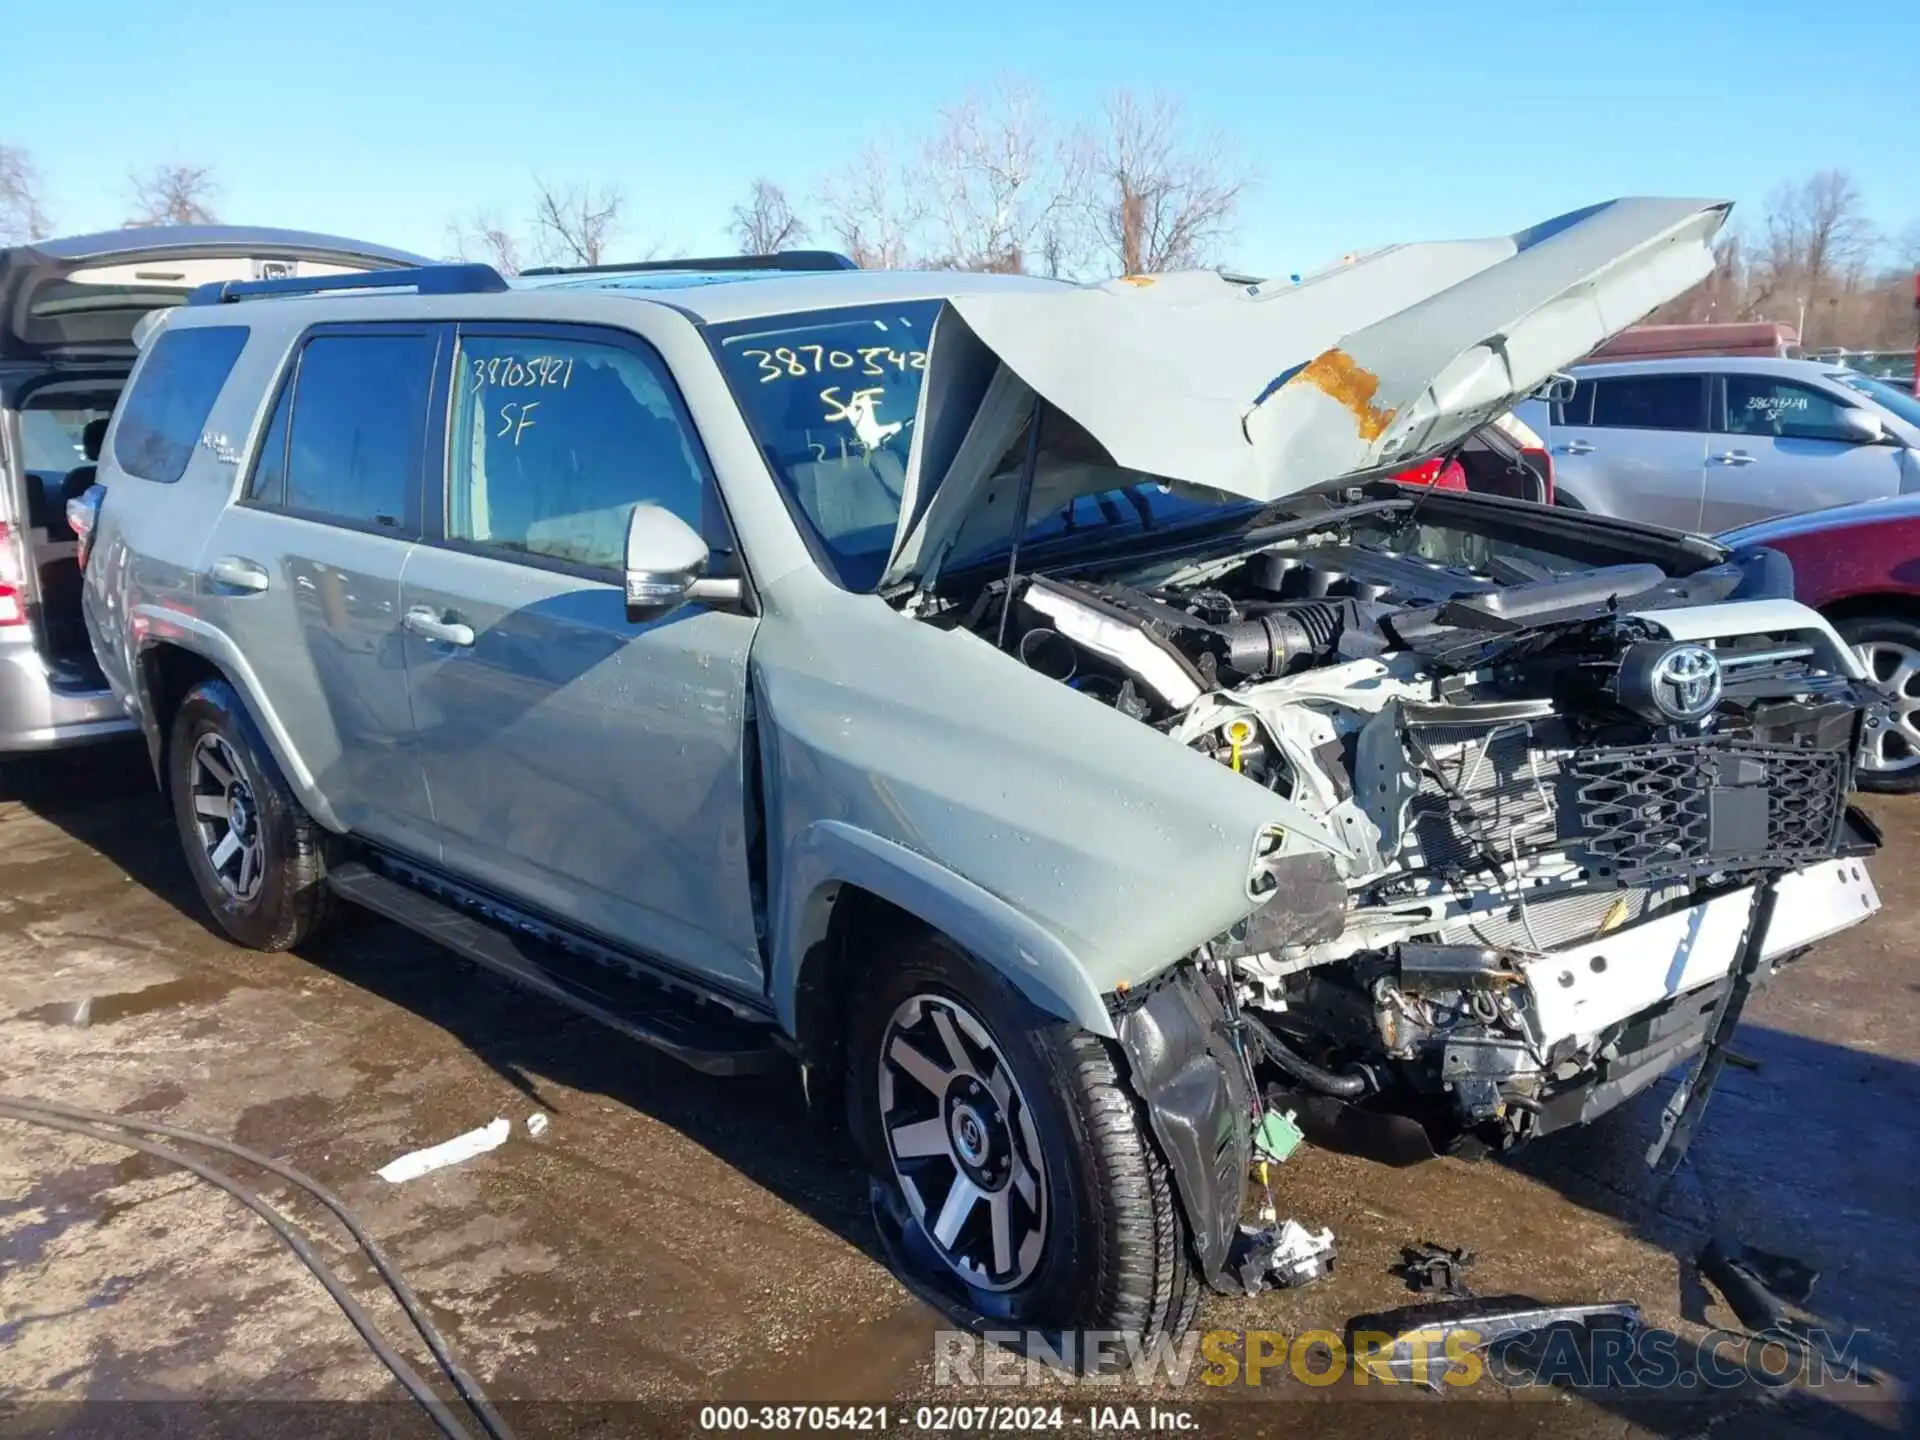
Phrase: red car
{"type": "Point", "coordinates": [1859, 565]}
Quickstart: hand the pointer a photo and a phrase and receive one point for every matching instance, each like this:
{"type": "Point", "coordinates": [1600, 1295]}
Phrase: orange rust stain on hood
{"type": "Point", "coordinates": [1336, 373]}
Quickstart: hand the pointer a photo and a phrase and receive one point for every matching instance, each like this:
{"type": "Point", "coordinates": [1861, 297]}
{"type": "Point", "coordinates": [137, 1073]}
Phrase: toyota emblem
{"type": "Point", "coordinates": [1686, 682]}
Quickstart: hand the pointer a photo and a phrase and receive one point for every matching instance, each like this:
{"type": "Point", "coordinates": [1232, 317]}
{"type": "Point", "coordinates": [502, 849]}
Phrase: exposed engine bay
{"type": "Point", "coordinates": [1518, 753]}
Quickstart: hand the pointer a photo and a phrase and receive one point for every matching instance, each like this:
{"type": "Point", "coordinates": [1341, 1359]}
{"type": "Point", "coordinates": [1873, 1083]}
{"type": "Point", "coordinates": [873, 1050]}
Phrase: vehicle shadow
{"type": "Point", "coordinates": [1809, 1150]}
{"type": "Point", "coordinates": [105, 799]}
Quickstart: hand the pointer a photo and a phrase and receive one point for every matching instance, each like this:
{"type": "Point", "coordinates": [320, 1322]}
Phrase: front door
{"type": "Point", "coordinates": [1777, 448]}
{"type": "Point", "coordinates": [304, 572]}
{"type": "Point", "coordinates": [586, 766]}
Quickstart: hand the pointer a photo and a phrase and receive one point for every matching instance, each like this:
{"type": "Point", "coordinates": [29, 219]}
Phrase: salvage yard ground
{"type": "Point", "coordinates": [677, 1238]}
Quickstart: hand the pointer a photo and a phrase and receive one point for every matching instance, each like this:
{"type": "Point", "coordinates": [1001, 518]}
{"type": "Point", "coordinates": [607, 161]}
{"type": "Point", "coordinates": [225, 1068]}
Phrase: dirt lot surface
{"type": "Point", "coordinates": [673, 1239]}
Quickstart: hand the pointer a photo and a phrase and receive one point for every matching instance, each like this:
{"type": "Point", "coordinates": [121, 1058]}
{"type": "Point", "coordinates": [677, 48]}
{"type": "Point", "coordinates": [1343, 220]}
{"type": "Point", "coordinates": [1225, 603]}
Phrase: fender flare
{"type": "Point", "coordinates": [158, 625]}
{"type": "Point", "coordinates": [830, 853]}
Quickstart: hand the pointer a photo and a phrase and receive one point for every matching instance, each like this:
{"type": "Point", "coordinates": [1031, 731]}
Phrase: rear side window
{"type": "Point", "coordinates": [1650, 402]}
{"type": "Point", "coordinates": [348, 432]}
{"type": "Point", "coordinates": [165, 413]}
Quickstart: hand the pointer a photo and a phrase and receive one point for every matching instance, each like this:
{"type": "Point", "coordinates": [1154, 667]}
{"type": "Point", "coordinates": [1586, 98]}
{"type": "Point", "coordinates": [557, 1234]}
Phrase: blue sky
{"type": "Point", "coordinates": [1365, 122]}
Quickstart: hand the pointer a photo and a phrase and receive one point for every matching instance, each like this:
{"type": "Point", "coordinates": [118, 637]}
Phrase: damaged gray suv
{"type": "Point", "coordinates": [1021, 705]}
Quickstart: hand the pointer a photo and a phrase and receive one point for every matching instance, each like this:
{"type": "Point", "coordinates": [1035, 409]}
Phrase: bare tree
{"type": "Point", "coordinates": [1816, 246]}
{"type": "Point", "coordinates": [1005, 186]}
{"type": "Point", "coordinates": [765, 223]}
{"type": "Point", "coordinates": [573, 224]}
{"type": "Point", "coordinates": [23, 216]}
{"type": "Point", "coordinates": [873, 210]}
{"type": "Point", "coordinates": [1907, 247]}
{"type": "Point", "coordinates": [173, 194]}
{"type": "Point", "coordinates": [1157, 200]}
{"type": "Point", "coordinates": [483, 236]}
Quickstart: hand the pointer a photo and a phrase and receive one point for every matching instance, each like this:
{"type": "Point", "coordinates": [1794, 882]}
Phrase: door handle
{"type": "Point", "coordinates": [428, 626]}
{"type": "Point", "coordinates": [236, 572]}
{"type": "Point", "coordinates": [1735, 457]}
{"type": "Point", "coordinates": [1576, 447]}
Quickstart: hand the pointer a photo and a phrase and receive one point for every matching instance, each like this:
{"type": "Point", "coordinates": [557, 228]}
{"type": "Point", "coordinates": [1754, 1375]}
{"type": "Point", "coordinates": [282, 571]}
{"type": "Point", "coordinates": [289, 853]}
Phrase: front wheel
{"type": "Point", "coordinates": [1889, 648]}
{"type": "Point", "coordinates": [1012, 1141]}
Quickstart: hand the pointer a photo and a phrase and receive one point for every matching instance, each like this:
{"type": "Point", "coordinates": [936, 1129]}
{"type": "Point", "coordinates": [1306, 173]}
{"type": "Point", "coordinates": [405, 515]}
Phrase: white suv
{"type": "Point", "coordinates": [1707, 443]}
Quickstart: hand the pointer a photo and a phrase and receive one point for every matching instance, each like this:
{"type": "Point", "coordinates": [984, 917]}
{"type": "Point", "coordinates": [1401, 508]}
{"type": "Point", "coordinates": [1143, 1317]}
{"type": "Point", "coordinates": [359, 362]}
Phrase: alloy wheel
{"type": "Point", "coordinates": [1892, 742]}
{"type": "Point", "coordinates": [961, 1139]}
{"type": "Point", "coordinates": [227, 818]}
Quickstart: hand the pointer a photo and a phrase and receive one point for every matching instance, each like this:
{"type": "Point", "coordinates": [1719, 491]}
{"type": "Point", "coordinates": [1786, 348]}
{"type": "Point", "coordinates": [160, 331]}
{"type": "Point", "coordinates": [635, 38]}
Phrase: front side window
{"type": "Point", "coordinates": [166, 411]}
{"type": "Point", "coordinates": [1768, 406]}
{"type": "Point", "coordinates": [555, 440]}
{"type": "Point", "coordinates": [1650, 402]}
{"type": "Point", "coordinates": [354, 431]}
{"type": "Point", "coordinates": [830, 396]}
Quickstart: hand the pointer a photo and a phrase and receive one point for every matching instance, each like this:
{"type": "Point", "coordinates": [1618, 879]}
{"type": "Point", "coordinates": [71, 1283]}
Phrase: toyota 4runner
{"type": "Point", "coordinates": [1021, 705]}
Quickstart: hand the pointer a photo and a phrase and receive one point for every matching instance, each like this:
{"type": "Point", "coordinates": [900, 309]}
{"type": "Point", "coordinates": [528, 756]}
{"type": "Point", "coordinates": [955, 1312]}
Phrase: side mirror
{"type": "Point", "coordinates": [666, 562]}
{"type": "Point", "coordinates": [1556, 389]}
{"type": "Point", "coordinates": [1861, 427]}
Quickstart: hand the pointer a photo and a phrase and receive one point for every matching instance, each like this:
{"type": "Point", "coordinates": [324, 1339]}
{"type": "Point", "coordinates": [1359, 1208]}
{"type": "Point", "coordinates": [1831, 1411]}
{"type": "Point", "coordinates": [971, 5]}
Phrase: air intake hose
{"type": "Point", "coordinates": [1273, 643]}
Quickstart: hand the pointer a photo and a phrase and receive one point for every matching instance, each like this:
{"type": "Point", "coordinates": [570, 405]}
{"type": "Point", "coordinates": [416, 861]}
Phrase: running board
{"type": "Point", "coordinates": [700, 1034]}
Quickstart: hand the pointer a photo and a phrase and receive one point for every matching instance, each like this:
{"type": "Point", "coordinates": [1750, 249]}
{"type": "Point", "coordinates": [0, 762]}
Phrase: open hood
{"type": "Point", "coordinates": [1266, 390]}
{"type": "Point", "coordinates": [80, 297]}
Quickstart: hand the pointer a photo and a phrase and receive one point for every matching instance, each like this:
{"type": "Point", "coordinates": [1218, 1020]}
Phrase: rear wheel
{"type": "Point", "coordinates": [1017, 1149]}
{"type": "Point", "coordinates": [1889, 648]}
{"type": "Point", "coordinates": [257, 857]}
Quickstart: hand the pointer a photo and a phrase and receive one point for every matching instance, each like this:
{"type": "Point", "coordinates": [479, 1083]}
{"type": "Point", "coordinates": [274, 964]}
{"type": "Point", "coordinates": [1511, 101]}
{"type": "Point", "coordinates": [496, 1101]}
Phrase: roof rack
{"type": "Point", "coordinates": [783, 260]}
{"type": "Point", "coordinates": [463, 279]}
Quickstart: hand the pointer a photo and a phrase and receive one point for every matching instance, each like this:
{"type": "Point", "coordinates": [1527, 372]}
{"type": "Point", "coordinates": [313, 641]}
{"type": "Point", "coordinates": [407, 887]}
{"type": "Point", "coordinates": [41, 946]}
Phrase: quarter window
{"type": "Point", "coordinates": [1650, 402]}
{"type": "Point", "coordinates": [1764, 405]}
{"type": "Point", "coordinates": [555, 440]}
{"type": "Point", "coordinates": [166, 412]}
{"type": "Point", "coordinates": [353, 417]}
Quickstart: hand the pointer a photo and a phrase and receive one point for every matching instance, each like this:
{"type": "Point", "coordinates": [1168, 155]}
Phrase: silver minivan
{"type": "Point", "coordinates": [1709, 442]}
{"type": "Point", "coordinates": [68, 312]}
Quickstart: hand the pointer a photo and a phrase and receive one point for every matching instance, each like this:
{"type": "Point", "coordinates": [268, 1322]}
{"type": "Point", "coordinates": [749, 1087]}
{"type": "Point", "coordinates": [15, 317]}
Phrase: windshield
{"type": "Point", "coordinates": [1883, 394]}
{"type": "Point", "coordinates": [830, 396]}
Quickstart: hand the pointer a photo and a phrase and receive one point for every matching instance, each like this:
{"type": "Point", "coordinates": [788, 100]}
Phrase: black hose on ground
{"type": "Point", "coordinates": [1347, 1085]}
{"type": "Point", "coordinates": [98, 1125]}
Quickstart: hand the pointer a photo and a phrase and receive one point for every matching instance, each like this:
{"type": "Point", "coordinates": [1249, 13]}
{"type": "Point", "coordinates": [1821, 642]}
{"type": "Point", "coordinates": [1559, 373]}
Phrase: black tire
{"type": "Point", "coordinates": [1882, 747]}
{"type": "Point", "coordinates": [1115, 1252]}
{"type": "Point", "coordinates": [288, 900]}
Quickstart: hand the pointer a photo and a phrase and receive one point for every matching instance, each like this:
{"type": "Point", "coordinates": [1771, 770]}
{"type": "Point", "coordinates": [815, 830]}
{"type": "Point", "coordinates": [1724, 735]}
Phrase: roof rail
{"type": "Point", "coordinates": [463, 279]}
{"type": "Point", "coordinates": [782, 260]}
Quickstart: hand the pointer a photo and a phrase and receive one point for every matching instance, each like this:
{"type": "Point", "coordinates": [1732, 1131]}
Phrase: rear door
{"type": "Point", "coordinates": [303, 572]}
{"type": "Point", "coordinates": [1777, 449]}
{"type": "Point", "coordinates": [1635, 446]}
{"type": "Point", "coordinates": [582, 764]}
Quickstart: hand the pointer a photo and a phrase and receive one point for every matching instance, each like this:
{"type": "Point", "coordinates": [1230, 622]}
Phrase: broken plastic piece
{"type": "Point", "coordinates": [1284, 1256]}
{"type": "Point", "coordinates": [536, 1124]}
{"type": "Point", "coordinates": [1278, 1136]}
{"type": "Point", "coordinates": [1431, 1269]}
{"type": "Point", "coordinates": [449, 1152]}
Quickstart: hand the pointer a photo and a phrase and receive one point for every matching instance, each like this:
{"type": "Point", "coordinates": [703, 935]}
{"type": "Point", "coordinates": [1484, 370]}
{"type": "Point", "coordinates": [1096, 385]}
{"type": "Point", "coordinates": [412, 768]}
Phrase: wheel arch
{"type": "Point", "coordinates": [1873, 604]}
{"type": "Point", "coordinates": [847, 890]}
{"type": "Point", "coordinates": [178, 652]}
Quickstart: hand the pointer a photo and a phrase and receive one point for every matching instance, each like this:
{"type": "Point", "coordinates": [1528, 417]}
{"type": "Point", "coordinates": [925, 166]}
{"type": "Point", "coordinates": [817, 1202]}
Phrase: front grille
{"type": "Point", "coordinates": [1687, 808]}
{"type": "Point", "coordinates": [1627, 815]}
